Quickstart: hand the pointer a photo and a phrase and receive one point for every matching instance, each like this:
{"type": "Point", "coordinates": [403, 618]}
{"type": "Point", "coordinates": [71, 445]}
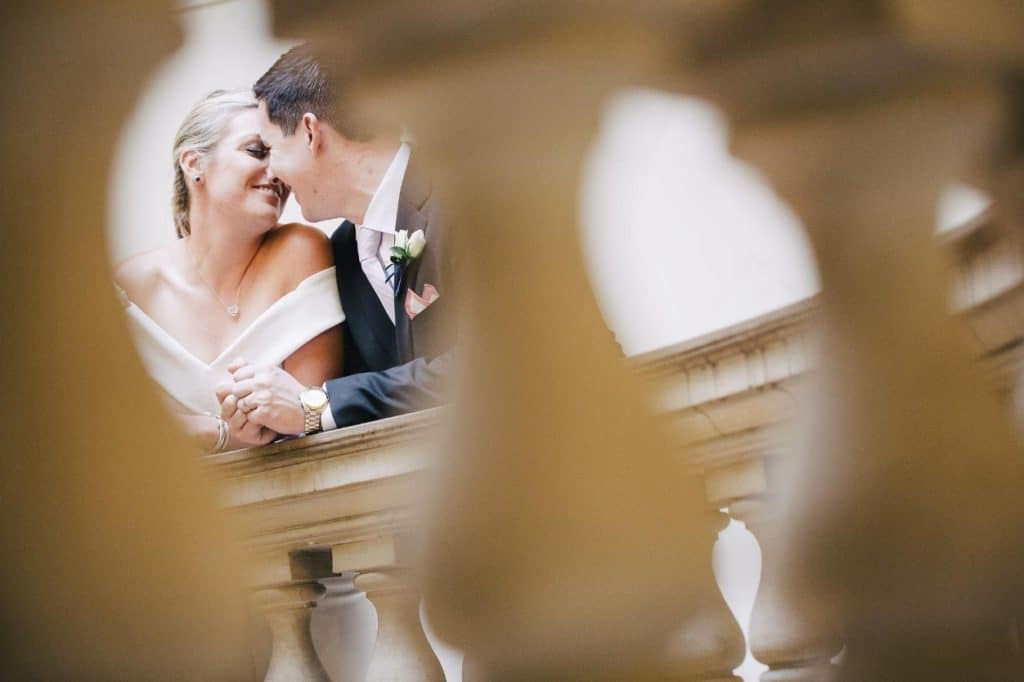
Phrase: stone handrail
{"type": "Point", "coordinates": [345, 486]}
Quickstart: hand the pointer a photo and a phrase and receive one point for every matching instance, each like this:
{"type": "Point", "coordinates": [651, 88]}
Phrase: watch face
{"type": "Point", "coordinates": [314, 399]}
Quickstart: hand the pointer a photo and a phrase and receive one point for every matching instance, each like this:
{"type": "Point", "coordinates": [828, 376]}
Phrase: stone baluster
{"type": "Point", "coordinates": [288, 608]}
{"type": "Point", "coordinates": [790, 631]}
{"type": "Point", "coordinates": [402, 652]}
{"type": "Point", "coordinates": [709, 644]}
{"type": "Point", "coordinates": [343, 628]}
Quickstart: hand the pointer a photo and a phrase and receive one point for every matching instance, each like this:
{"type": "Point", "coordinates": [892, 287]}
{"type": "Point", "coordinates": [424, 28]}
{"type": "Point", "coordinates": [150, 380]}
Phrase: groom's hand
{"type": "Point", "coordinates": [268, 396]}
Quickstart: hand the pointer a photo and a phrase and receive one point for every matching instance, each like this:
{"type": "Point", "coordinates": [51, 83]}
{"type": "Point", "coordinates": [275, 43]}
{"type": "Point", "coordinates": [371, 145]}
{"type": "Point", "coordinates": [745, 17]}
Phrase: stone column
{"type": "Point", "coordinates": [790, 631]}
{"type": "Point", "coordinates": [402, 652]}
{"type": "Point", "coordinates": [288, 609]}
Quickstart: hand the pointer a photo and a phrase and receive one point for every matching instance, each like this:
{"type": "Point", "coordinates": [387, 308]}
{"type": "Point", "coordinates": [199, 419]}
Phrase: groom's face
{"type": "Point", "coordinates": [292, 162]}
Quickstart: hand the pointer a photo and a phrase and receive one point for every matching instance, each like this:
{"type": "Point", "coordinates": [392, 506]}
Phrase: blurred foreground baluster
{"type": "Point", "coordinates": [566, 541]}
{"type": "Point", "coordinates": [905, 505]}
{"type": "Point", "coordinates": [103, 499]}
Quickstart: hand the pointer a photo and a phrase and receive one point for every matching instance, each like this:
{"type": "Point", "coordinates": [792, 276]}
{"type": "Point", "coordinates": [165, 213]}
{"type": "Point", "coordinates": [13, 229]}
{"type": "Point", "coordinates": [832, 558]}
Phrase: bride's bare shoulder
{"type": "Point", "coordinates": [141, 274]}
{"type": "Point", "coordinates": [299, 250]}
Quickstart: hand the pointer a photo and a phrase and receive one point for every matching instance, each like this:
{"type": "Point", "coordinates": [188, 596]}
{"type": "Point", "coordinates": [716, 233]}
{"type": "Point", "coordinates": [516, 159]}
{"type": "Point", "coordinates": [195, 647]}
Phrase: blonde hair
{"type": "Point", "coordinates": [200, 132]}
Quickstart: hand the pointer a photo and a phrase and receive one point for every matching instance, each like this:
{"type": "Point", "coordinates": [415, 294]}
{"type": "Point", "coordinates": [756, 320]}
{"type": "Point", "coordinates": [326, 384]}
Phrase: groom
{"type": "Point", "coordinates": [396, 342]}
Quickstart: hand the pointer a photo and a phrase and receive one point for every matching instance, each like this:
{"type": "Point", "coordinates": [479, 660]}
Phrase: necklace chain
{"type": "Point", "coordinates": [232, 309]}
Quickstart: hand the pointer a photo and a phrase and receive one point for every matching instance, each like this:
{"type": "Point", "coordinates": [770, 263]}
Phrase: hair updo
{"type": "Point", "coordinates": [200, 132]}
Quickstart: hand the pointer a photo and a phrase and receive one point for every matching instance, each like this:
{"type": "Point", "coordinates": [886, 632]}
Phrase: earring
{"type": "Point", "coordinates": [198, 178]}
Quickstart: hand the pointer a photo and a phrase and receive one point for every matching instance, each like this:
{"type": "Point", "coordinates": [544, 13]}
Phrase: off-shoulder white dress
{"type": "Point", "coordinates": [290, 322]}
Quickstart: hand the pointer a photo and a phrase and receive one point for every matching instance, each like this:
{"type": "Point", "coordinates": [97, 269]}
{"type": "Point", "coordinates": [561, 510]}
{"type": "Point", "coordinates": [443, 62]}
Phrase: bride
{"type": "Point", "coordinates": [235, 284]}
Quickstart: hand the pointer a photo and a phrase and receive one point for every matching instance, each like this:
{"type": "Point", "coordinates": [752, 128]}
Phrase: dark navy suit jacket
{"type": "Point", "coordinates": [393, 369]}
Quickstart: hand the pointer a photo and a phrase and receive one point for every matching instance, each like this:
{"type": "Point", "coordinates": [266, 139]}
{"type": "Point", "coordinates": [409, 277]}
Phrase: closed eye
{"type": "Point", "coordinates": [258, 152]}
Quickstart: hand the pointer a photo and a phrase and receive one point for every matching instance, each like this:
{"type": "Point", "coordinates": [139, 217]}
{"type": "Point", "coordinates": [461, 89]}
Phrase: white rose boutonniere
{"type": "Point", "coordinates": [417, 242]}
{"type": "Point", "coordinates": [407, 248]}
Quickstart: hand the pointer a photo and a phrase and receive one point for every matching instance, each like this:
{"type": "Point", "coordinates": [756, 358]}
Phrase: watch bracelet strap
{"type": "Point", "coordinates": [312, 424]}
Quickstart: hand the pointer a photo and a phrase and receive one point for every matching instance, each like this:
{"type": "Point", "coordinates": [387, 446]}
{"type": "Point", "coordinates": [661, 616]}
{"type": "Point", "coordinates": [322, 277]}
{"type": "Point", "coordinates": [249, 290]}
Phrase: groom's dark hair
{"type": "Point", "coordinates": [297, 83]}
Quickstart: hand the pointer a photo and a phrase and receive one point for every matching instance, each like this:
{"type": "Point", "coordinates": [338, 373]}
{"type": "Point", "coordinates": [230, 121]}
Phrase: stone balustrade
{"type": "Point", "coordinates": [329, 516]}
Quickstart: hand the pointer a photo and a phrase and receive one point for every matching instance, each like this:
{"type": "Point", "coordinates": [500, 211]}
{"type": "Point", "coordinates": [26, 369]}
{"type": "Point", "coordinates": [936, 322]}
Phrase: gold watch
{"type": "Point", "coordinates": [314, 402]}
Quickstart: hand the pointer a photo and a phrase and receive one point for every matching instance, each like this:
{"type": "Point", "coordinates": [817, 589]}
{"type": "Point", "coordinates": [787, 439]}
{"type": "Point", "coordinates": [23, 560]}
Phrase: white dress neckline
{"type": "Point", "coordinates": [286, 325]}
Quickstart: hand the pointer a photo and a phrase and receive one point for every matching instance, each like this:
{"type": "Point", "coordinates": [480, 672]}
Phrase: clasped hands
{"type": "Point", "coordinates": [260, 403]}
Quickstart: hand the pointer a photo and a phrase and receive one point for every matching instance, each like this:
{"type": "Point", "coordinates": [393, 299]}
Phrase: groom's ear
{"type": "Point", "coordinates": [312, 131]}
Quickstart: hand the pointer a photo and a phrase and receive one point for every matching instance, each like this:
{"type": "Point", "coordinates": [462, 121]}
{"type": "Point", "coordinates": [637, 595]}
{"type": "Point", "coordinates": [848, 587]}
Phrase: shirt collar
{"type": "Point", "coordinates": [382, 212]}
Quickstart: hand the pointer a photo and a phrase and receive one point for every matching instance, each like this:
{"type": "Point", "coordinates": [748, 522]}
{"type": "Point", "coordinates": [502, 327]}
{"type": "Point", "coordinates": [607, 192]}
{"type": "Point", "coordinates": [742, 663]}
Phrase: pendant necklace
{"type": "Point", "coordinates": [231, 309]}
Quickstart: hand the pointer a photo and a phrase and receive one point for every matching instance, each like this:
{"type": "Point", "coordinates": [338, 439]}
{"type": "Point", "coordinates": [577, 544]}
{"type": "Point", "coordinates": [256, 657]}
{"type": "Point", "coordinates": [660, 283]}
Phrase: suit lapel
{"type": "Point", "coordinates": [412, 216]}
{"type": "Point", "coordinates": [369, 324]}
{"type": "Point", "coordinates": [403, 325]}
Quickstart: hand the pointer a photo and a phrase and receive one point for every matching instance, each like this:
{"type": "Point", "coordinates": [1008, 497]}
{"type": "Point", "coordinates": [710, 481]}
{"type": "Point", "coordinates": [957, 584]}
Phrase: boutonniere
{"type": "Point", "coordinates": [407, 248]}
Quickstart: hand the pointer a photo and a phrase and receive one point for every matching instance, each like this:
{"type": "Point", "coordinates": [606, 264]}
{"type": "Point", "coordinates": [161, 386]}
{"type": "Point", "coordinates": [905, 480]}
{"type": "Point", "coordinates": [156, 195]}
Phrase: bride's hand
{"type": "Point", "coordinates": [242, 432]}
{"type": "Point", "coordinates": [268, 396]}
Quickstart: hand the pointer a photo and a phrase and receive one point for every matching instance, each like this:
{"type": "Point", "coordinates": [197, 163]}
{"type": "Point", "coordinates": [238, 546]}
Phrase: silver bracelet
{"type": "Point", "coordinates": [222, 432]}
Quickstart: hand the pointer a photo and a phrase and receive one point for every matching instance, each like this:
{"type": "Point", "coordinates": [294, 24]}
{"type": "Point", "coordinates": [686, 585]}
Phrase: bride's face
{"type": "Point", "coordinates": [238, 181]}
